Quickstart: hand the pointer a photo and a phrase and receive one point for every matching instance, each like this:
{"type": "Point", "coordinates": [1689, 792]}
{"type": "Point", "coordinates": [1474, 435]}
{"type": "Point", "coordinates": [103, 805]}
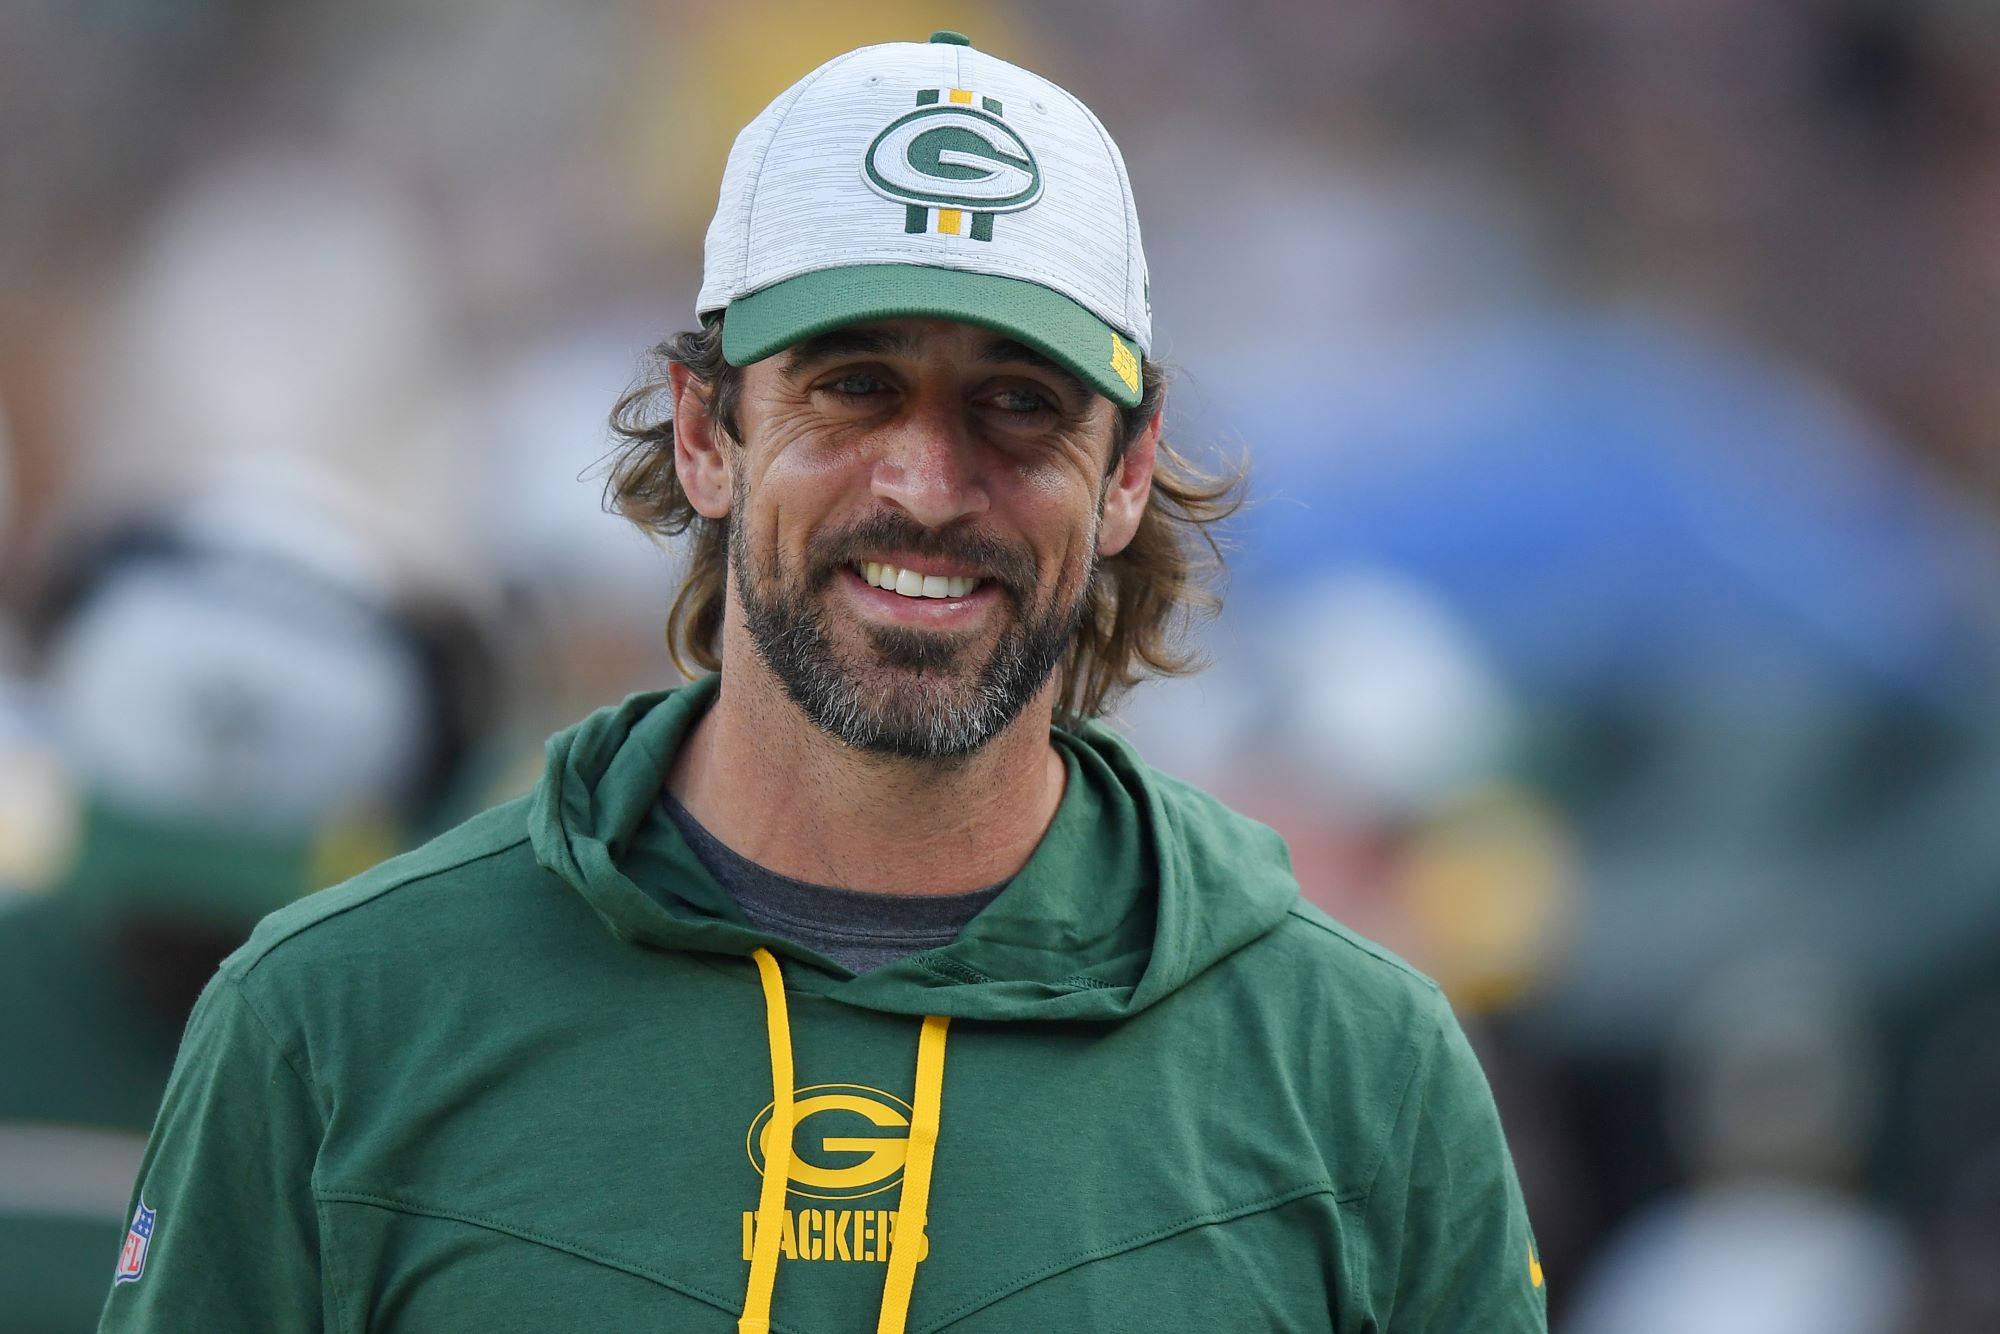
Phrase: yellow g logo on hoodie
{"type": "Point", "coordinates": [848, 1140]}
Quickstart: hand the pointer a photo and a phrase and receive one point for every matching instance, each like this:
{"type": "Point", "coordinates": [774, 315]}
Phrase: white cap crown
{"type": "Point", "coordinates": [939, 156]}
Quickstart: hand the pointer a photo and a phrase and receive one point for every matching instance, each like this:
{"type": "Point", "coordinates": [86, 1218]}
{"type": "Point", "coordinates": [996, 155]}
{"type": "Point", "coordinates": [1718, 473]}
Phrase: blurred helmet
{"type": "Point", "coordinates": [256, 697]}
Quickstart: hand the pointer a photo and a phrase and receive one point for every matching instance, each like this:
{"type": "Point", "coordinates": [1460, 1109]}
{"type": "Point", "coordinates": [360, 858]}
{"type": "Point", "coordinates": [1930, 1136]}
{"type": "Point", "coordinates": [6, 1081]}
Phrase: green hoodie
{"type": "Point", "coordinates": [523, 1079]}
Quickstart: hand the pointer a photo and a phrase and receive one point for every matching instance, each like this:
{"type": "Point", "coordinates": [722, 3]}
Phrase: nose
{"type": "Point", "coordinates": [929, 465]}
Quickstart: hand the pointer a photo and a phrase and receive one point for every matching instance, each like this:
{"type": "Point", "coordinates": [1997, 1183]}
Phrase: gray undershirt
{"type": "Point", "coordinates": [858, 930]}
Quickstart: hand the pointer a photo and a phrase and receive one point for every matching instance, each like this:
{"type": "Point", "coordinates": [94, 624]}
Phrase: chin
{"type": "Point", "coordinates": [903, 691]}
{"type": "Point", "coordinates": [883, 704]}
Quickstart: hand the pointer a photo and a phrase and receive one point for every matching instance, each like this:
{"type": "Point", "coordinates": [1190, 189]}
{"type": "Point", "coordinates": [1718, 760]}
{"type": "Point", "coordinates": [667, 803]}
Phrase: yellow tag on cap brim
{"type": "Point", "coordinates": [1124, 363]}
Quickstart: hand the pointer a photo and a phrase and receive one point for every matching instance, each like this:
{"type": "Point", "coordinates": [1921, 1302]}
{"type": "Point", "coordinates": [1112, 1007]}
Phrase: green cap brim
{"type": "Point", "coordinates": [767, 322]}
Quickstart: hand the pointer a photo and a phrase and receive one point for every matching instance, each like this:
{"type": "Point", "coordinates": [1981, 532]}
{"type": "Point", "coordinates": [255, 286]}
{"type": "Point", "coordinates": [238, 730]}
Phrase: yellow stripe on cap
{"type": "Point", "coordinates": [951, 222]}
{"type": "Point", "coordinates": [962, 96]}
{"type": "Point", "coordinates": [1124, 363]}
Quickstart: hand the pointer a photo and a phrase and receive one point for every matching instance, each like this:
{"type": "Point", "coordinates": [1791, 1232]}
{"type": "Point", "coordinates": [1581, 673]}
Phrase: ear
{"type": "Point", "coordinates": [701, 452]}
{"type": "Point", "coordinates": [1127, 490]}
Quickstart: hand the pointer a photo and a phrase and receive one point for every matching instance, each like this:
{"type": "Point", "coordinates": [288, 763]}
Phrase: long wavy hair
{"type": "Point", "coordinates": [1138, 611]}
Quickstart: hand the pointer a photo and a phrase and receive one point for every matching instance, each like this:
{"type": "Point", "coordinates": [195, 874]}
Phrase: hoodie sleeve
{"type": "Point", "coordinates": [1449, 1230]}
{"type": "Point", "coordinates": [224, 1198]}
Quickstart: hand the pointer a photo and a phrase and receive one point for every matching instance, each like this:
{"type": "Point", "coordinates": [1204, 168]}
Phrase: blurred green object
{"type": "Point", "coordinates": [90, 976]}
{"type": "Point", "coordinates": [87, 1049]}
{"type": "Point", "coordinates": [131, 862]}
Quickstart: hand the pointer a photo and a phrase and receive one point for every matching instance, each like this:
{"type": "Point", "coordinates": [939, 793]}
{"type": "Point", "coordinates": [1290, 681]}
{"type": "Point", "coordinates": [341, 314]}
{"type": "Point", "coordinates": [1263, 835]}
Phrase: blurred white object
{"type": "Point", "coordinates": [243, 666]}
{"type": "Point", "coordinates": [1384, 691]}
{"type": "Point", "coordinates": [539, 462]}
{"type": "Point", "coordinates": [38, 809]}
{"type": "Point", "coordinates": [1775, 1090]}
{"type": "Point", "coordinates": [279, 306]}
{"type": "Point", "coordinates": [1359, 680]}
{"type": "Point", "coordinates": [1751, 1257]}
{"type": "Point", "coordinates": [218, 690]}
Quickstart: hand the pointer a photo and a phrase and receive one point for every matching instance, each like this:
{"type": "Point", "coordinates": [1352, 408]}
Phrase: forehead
{"type": "Point", "coordinates": [925, 340]}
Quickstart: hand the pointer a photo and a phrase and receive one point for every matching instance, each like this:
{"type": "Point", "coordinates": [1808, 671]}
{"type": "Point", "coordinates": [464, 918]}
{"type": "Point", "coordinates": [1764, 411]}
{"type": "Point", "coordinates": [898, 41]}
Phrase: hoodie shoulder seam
{"type": "Point", "coordinates": [248, 960]}
{"type": "Point", "coordinates": [1366, 948]}
{"type": "Point", "coordinates": [1424, 1026]}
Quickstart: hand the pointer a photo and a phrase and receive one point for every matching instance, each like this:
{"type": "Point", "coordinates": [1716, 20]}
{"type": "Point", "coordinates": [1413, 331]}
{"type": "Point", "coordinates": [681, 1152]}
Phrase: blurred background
{"type": "Point", "coordinates": [1614, 631]}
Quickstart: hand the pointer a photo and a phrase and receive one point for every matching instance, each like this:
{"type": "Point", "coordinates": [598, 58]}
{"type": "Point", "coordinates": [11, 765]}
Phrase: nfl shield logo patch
{"type": "Point", "coordinates": [132, 1260]}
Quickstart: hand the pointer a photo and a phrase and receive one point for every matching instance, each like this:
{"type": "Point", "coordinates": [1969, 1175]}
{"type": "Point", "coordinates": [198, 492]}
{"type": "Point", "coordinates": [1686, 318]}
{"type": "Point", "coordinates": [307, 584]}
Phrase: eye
{"type": "Point", "coordinates": [852, 385]}
{"type": "Point", "coordinates": [1024, 401]}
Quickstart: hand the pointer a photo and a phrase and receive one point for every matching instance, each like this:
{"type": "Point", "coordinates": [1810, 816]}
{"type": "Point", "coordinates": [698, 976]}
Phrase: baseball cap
{"type": "Point", "coordinates": [930, 179]}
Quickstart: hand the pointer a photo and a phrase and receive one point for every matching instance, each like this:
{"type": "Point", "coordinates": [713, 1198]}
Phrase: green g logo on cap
{"type": "Point", "coordinates": [949, 158]}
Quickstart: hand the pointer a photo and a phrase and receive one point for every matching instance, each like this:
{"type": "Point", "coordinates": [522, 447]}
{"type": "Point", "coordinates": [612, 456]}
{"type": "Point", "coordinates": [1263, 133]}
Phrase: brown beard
{"type": "Point", "coordinates": [942, 707]}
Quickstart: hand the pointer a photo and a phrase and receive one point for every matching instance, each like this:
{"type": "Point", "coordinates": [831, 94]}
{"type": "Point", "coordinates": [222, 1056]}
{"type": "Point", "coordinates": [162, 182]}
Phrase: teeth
{"type": "Point", "coordinates": [913, 585]}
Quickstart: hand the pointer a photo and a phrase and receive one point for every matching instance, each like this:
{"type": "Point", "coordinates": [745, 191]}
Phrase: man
{"type": "Point", "coordinates": [846, 987]}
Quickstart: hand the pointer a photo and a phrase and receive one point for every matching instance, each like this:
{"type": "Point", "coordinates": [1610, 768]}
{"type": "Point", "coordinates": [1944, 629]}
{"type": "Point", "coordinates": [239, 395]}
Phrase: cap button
{"type": "Point", "coordinates": [950, 38]}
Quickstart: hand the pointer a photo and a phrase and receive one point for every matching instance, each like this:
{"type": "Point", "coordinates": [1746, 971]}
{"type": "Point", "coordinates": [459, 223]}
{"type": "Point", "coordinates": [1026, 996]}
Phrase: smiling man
{"type": "Point", "coordinates": [964, 484]}
{"type": "Point", "coordinates": [866, 982]}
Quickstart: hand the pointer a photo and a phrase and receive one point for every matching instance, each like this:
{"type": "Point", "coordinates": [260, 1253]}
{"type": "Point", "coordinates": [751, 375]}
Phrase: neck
{"type": "Point", "coordinates": [760, 776]}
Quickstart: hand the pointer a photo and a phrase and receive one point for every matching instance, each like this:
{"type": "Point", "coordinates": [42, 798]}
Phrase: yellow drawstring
{"type": "Point", "coordinates": [777, 1153]}
{"type": "Point", "coordinates": [909, 1246]}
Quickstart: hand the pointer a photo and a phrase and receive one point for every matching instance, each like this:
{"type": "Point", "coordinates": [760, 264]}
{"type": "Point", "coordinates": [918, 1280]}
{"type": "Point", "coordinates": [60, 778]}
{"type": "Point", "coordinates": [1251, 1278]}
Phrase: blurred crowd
{"type": "Point", "coordinates": [1613, 631]}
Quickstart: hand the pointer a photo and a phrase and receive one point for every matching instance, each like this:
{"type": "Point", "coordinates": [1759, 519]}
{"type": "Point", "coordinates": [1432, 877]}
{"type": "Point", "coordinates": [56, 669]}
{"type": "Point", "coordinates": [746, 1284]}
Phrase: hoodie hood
{"type": "Point", "coordinates": [1139, 884]}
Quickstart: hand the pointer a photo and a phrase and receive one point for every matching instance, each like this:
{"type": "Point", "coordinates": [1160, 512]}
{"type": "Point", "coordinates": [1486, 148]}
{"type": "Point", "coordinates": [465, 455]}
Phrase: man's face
{"type": "Point", "coordinates": [915, 518]}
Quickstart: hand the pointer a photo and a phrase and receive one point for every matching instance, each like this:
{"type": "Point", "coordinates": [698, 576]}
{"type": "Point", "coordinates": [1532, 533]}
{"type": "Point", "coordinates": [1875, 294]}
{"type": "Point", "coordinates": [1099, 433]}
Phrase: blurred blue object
{"type": "Point", "coordinates": [1613, 503]}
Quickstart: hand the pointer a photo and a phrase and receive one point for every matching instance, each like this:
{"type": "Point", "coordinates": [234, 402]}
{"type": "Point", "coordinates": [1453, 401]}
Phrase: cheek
{"type": "Point", "coordinates": [1066, 473]}
{"type": "Point", "coordinates": [1056, 481]}
{"type": "Point", "coordinates": [1054, 509]}
{"type": "Point", "coordinates": [797, 478]}
{"type": "Point", "coordinates": [809, 457]}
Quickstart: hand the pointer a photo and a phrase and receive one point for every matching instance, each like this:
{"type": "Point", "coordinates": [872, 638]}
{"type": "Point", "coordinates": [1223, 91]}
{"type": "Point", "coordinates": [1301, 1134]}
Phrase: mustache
{"type": "Point", "coordinates": [1006, 564]}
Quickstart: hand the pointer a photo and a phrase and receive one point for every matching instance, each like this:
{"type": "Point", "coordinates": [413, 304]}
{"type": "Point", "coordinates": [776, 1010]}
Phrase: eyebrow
{"type": "Point", "coordinates": [861, 341]}
{"type": "Point", "coordinates": [1007, 350]}
{"type": "Point", "coordinates": [868, 341]}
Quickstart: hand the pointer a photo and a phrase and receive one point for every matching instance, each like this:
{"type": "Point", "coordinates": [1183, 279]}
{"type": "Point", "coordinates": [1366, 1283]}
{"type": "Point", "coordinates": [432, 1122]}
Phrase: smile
{"type": "Point", "coordinates": [910, 584]}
